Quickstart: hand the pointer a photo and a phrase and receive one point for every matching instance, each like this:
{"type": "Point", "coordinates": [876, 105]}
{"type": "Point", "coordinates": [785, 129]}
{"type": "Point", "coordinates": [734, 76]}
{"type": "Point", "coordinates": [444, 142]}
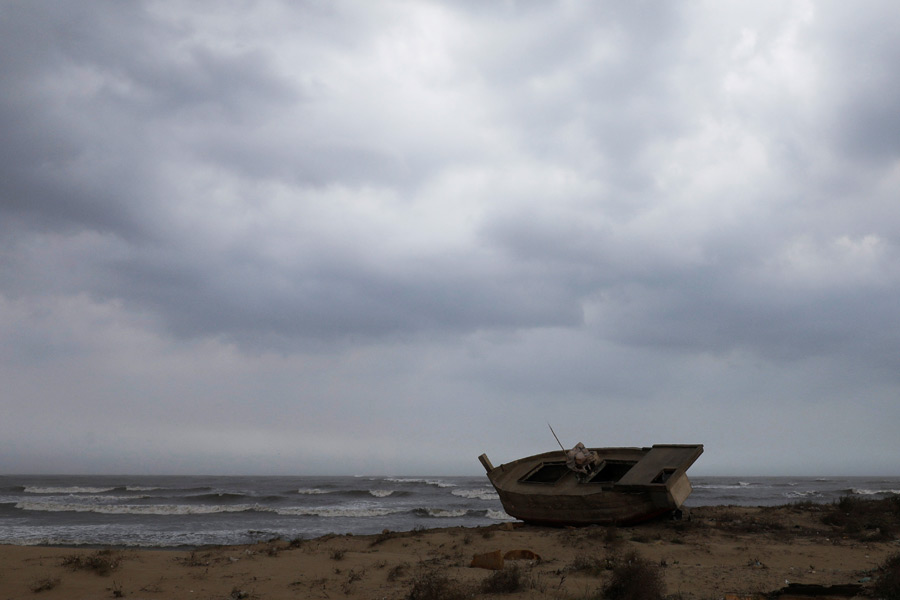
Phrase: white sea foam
{"type": "Point", "coordinates": [499, 515]}
{"type": "Point", "coordinates": [133, 509]}
{"type": "Point", "coordinates": [721, 486]}
{"type": "Point", "coordinates": [333, 512]}
{"type": "Point", "coordinates": [67, 490]}
{"type": "Point", "coordinates": [311, 491]}
{"type": "Point", "coordinates": [141, 488]}
{"type": "Point", "coordinates": [482, 494]}
{"type": "Point", "coordinates": [861, 492]}
{"type": "Point", "coordinates": [435, 482]}
{"type": "Point", "coordinates": [381, 493]}
{"type": "Point", "coordinates": [445, 512]}
{"type": "Point", "coordinates": [801, 494]}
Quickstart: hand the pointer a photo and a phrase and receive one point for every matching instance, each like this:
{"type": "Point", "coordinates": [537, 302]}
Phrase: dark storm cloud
{"type": "Point", "coordinates": [254, 303]}
{"type": "Point", "coordinates": [361, 214]}
{"type": "Point", "coordinates": [97, 135]}
{"type": "Point", "coordinates": [100, 98]}
{"type": "Point", "coordinates": [863, 84]}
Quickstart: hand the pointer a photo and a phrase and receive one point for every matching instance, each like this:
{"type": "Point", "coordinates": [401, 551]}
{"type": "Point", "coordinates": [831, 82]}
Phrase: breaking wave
{"type": "Point", "coordinates": [806, 494]}
{"type": "Point", "coordinates": [499, 515]}
{"type": "Point", "coordinates": [381, 493]}
{"type": "Point", "coordinates": [68, 490]}
{"type": "Point", "coordinates": [435, 482]}
{"type": "Point", "coordinates": [333, 512]}
{"type": "Point", "coordinates": [441, 513]}
{"type": "Point", "coordinates": [482, 494]}
{"type": "Point", "coordinates": [863, 492]}
{"type": "Point", "coordinates": [136, 509]}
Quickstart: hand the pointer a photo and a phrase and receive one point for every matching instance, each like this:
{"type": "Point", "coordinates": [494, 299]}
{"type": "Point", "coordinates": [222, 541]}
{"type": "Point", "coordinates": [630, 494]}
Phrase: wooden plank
{"type": "Point", "coordinates": [670, 456]}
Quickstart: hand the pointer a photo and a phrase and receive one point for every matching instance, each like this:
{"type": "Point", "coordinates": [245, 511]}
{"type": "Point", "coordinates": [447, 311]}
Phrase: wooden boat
{"type": "Point", "coordinates": [620, 485]}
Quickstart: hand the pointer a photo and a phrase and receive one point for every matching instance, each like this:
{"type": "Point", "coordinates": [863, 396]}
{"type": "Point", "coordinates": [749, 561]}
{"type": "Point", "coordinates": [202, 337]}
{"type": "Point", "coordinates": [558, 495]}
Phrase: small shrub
{"type": "Point", "coordinates": [194, 560]}
{"type": "Point", "coordinates": [397, 572]}
{"type": "Point", "coordinates": [862, 518]}
{"type": "Point", "coordinates": [634, 578]}
{"type": "Point", "coordinates": [505, 581]}
{"type": "Point", "coordinates": [337, 554]}
{"type": "Point", "coordinates": [887, 583]}
{"type": "Point", "coordinates": [434, 585]}
{"type": "Point", "coordinates": [103, 562]}
{"type": "Point", "coordinates": [587, 564]}
{"type": "Point", "coordinates": [44, 584]}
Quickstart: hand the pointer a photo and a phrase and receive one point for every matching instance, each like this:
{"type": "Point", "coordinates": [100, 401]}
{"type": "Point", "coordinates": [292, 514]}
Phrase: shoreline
{"type": "Point", "coordinates": [714, 552]}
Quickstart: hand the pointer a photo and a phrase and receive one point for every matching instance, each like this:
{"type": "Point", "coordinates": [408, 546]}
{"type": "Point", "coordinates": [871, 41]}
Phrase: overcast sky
{"type": "Point", "coordinates": [352, 237]}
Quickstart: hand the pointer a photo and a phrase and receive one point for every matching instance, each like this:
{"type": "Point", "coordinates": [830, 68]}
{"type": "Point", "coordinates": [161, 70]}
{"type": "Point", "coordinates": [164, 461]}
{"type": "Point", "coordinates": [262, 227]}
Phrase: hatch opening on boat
{"type": "Point", "coordinates": [612, 471]}
{"type": "Point", "coordinates": [548, 472]}
{"type": "Point", "coordinates": [664, 476]}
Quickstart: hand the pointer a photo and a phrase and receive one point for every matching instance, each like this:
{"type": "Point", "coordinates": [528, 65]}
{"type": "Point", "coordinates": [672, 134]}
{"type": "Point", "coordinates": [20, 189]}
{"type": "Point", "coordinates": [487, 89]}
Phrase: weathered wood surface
{"type": "Point", "coordinates": [570, 501]}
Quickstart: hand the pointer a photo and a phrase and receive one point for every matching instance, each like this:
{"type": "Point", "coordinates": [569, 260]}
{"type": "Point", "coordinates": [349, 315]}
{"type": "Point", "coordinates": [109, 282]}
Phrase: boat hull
{"type": "Point", "coordinates": [632, 485]}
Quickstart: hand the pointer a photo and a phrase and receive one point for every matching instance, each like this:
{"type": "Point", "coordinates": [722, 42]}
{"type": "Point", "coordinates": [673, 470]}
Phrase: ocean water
{"type": "Point", "coordinates": [185, 511]}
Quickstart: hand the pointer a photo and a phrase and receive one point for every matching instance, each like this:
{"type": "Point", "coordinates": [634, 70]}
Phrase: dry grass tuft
{"type": "Point", "coordinates": [434, 585]}
{"type": "Point", "coordinates": [634, 578]}
{"type": "Point", "coordinates": [589, 565]}
{"type": "Point", "coordinates": [44, 584]}
{"type": "Point", "coordinates": [505, 581]}
{"type": "Point", "coordinates": [875, 520]}
{"type": "Point", "coordinates": [887, 583]}
{"type": "Point", "coordinates": [102, 562]}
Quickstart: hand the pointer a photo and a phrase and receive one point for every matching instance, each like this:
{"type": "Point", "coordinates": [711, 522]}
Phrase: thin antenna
{"type": "Point", "coordinates": [557, 438]}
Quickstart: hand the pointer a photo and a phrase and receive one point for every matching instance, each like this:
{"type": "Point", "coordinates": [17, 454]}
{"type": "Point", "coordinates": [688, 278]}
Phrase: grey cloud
{"type": "Point", "coordinates": [447, 208]}
{"type": "Point", "coordinates": [254, 304]}
{"type": "Point", "coordinates": [863, 84]}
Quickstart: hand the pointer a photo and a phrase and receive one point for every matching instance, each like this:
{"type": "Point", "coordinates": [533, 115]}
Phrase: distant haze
{"type": "Point", "coordinates": [355, 237]}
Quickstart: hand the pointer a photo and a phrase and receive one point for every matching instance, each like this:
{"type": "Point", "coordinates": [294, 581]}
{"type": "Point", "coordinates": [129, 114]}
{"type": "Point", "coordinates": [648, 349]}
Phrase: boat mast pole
{"type": "Point", "coordinates": [557, 438]}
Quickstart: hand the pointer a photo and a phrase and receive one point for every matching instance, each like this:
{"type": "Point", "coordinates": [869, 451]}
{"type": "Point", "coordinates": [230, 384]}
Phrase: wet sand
{"type": "Point", "coordinates": [715, 552]}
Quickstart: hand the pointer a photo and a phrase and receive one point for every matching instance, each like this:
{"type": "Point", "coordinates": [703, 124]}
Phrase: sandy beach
{"type": "Point", "coordinates": [714, 552]}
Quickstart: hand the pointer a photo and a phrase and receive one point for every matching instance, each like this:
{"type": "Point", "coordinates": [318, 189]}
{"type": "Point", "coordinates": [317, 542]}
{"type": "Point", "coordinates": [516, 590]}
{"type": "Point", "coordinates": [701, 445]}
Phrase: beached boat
{"type": "Point", "coordinates": [585, 486]}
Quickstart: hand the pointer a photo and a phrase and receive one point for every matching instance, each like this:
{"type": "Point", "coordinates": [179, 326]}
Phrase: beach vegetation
{"type": "Point", "coordinates": [337, 554]}
{"type": "Point", "coordinates": [505, 581]}
{"type": "Point", "coordinates": [589, 565]}
{"type": "Point", "coordinates": [863, 518]}
{"type": "Point", "coordinates": [634, 578]}
{"type": "Point", "coordinates": [887, 583]}
{"type": "Point", "coordinates": [433, 584]}
{"type": "Point", "coordinates": [272, 549]}
{"type": "Point", "coordinates": [102, 562]}
{"type": "Point", "coordinates": [194, 560]}
{"type": "Point", "coordinates": [397, 571]}
{"type": "Point", "coordinates": [44, 584]}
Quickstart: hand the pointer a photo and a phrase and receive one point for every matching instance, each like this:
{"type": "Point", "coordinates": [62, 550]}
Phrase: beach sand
{"type": "Point", "coordinates": [715, 552]}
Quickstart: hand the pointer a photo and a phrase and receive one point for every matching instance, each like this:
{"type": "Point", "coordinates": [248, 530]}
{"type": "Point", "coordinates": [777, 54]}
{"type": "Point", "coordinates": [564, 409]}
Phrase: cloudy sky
{"type": "Point", "coordinates": [358, 237]}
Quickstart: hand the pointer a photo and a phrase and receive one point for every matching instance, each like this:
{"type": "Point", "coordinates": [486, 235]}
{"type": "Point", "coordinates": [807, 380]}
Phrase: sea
{"type": "Point", "coordinates": [192, 511]}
